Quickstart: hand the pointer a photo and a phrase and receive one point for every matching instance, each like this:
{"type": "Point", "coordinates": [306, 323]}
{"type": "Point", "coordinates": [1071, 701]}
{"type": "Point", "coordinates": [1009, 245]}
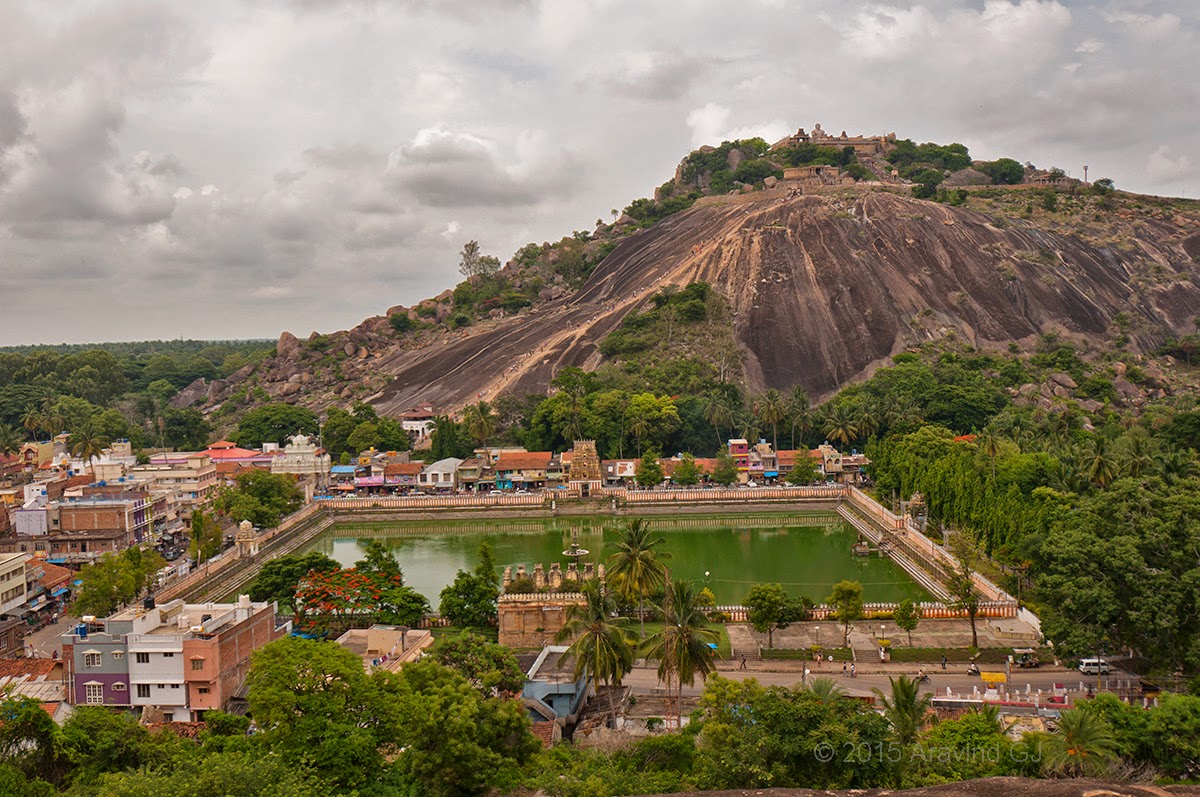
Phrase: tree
{"type": "Point", "coordinates": [205, 540]}
{"type": "Point", "coordinates": [470, 600]}
{"type": "Point", "coordinates": [961, 584]}
{"type": "Point", "coordinates": [316, 706]}
{"type": "Point", "coordinates": [907, 616]}
{"type": "Point", "coordinates": [771, 608]}
{"type": "Point", "coordinates": [805, 470]}
{"type": "Point", "coordinates": [649, 471]}
{"type": "Point", "coordinates": [10, 440]}
{"type": "Point", "coordinates": [261, 497]}
{"type": "Point", "coordinates": [839, 427]}
{"type": "Point", "coordinates": [31, 742]}
{"type": "Point", "coordinates": [687, 472]}
{"type": "Point", "coordinates": [771, 408]}
{"type": "Point", "coordinates": [185, 429]}
{"type": "Point", "coordinates": [681, 648]}
{"type": "Point", "coordinates": [602, 646]}
{"type": "Point", "coordinates": [906, 709]}
{"type": "Point", "coordinates": [636, 567]}
{"type": "Point", "coordinates": [277, 579]}
{"type": "Point", "coordinates": [472, 263]}
{"type": "Point", "coordinates": [480, 422]}
{"type": "Point", "coordinates": [717, 412]}
{"type": "Point", "coordinates": [273, 423]}
{"type": "Point", "coordinates": [87, 444]}
{"type": "Point", "coordinates": [456, 742]}
{"type": "Point", "coordinates": [1082, 747]}
{"type": "Point", "coordinates": [1004, 171]}
{"type": "Point", "coordinates": [492, 669]}
{"type": "Point", "coordinates": [846, 599]}
{"type": "Point", "coordinates": [724, 471]}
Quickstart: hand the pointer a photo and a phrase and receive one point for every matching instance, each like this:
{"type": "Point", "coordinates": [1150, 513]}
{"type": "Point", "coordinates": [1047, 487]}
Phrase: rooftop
{"type": "Point", "coordinates": [553, 666]}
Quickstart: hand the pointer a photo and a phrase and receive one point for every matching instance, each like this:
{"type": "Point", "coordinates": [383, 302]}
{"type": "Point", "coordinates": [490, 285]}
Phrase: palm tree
{"type": "Point", "coordinates": [10, 440]}
{"type": "Point", "coordinates": [825, 688]}
{"type": "Point", "coordinates": [33, 421]}
{"type": "Point", "coordinates": [635, 567]}
{"type": "Point", "coordinates": [906, 709]}
{"type": "Point", "coordinates": [87, 444]}
{"type": "Point", "coordinates": [838, 426]}
{"type": "Point", "coordinates": [748, 426]}
{"type": "Point", "coordinates": [1102, 468]}
{"type": "Point", "coordinates": [989, 444]}
{"type": "Point", "coordinates": [1136, 452]}
{"type": "Point", "coordinates": [602, 645]}
{"type": "Point", "coordinates": [640, 426]}
{"type": "Point", "coordinates": [480, 421]}
{"type": "Point", "coordinates": [771, 408]}
{"type": "Point", "coordinates": [1084, 745]}
{"type": "Point", "coordinates": [717, 412]}
{"type": "Point", "coordinates": [866, 421]}
{"type": "Point", "coordinates": [1175, 464]}
{"type": "Point", "coordinates": [681, 648]}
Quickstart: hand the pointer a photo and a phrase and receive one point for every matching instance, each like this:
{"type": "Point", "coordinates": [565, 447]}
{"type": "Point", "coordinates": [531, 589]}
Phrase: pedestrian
{"type": "Point", "coordinates": [853, 670]}
{"type": "Point", "coordinates": [805, 679]}
{"type": "Point", "coordinates": [742, 666]}
{"type": "Point", "coordinates": [943, 661]}
{"type": "Point", "coordinates": [843, 668]}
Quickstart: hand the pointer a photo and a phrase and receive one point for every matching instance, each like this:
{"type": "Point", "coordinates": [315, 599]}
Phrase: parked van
{"type": "Point", "coordinates": [1093, 667]}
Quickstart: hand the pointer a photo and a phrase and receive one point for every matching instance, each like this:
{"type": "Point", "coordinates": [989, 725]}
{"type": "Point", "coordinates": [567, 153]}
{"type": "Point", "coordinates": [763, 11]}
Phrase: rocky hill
{"type": "Point", "coordinates": [821, 288]}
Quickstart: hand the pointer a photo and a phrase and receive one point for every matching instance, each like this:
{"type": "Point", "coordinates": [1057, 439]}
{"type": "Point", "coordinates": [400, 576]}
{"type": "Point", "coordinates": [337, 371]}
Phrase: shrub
{"type": "Point", "coordinates": [401, 323]}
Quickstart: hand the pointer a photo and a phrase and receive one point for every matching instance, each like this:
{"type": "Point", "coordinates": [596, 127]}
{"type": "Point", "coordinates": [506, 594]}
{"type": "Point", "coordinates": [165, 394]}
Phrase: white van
{"type": "Point", "coordinates": [1093, 667]}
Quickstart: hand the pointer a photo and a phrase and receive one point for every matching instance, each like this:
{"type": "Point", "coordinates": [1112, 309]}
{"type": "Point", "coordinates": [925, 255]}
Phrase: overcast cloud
{"type": "Point", "coordinates": [233, 169]}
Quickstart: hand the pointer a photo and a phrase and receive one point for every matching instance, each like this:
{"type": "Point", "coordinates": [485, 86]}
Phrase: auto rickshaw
{"type": "Point", "coordinates": [1025, 658]}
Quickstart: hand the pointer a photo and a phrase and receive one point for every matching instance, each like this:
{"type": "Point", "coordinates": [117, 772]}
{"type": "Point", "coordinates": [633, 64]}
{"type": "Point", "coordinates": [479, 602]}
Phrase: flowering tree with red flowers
{"type": "Point", "coordinates": [352, 594]}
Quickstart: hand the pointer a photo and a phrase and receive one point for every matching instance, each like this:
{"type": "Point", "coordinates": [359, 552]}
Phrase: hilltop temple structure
{"type": "Point", "coordinates": [863, 145]}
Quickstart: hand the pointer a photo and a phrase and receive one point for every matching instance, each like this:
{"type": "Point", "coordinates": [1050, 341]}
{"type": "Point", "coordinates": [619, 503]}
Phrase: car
{"type": "Point", "coordinates": [495, 492]}
{"type": "Point", "coordinates": [1094, 667]}
{"type": "Point", "coordinates": [521, 492]}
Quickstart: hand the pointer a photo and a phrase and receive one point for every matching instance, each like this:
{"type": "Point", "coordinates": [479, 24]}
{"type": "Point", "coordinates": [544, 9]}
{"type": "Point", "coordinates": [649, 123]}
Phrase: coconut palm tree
{"type": "Point", "coordinates": [10, 440]}
{"type": "Point", "coordinates": [748, 426]}
{"type": "Point", "coordinates": [1102, 468]}
{"type": "Point", "coordinates": [480, 421]}
{"type": "Point", "coordinates": [990, 445]}
{"type": "Point", "coordinates": [87, 444]}
{"type": "Point", "coordinates": [771, 408]}
{"type": "Point", "coordinates": [1083, 745]}
{"type": "Point", "coordinates": [906, 709]}
{"type": "Point", "coordinates": [681, 648]}
{"type": "Point", "coordinates": [1137, 452]}
{"type": "Point", "coordinates": [1175, 464]}
{"type": "Point", "coordinates": [866, 422]}
{"type": "Point", "coordinates": [33, 421]}
{"type": "Point", "coordinates": [635, 567]}
{"type": "Point", "coordinates": [640, 427]}
{"type": "Point", "coordinates": [602, 645]}
{"type": "Point", "coordinates": [717, 412]}
{"type": "Point", "coordinates": [839, 427]}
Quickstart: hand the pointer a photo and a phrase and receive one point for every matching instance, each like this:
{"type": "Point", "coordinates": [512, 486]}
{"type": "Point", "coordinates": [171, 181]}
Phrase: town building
{"type": "Point", "coordinates": [177, 659]}
{"type": "Point", "coordinates": [12, 583]}
{"type": "Point", "coordinates": [553, 695]}
{"type": "Point", "coordinates": [524, 469]}
{"type": "Point", "coordinates": [91, 527]}
{"type": "Point", "coordinates": [386, 647]}
{"type": "Point", "coordinates": [12, 635]}
{"type": "Point", "coordinates": [418, 421]}
{"type": "Point", "coordinates": [441, 475]}
{"type": "Point", "coordinates": [190, 481]}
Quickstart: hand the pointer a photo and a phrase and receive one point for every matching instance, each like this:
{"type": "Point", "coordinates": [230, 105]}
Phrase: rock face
{"type": "Point", "coordinates": [824, 289]}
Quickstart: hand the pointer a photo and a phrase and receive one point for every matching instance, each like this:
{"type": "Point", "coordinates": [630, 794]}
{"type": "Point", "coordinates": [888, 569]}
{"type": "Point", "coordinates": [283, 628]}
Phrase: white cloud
{"type": "Point", "coordinates": [237, 167]}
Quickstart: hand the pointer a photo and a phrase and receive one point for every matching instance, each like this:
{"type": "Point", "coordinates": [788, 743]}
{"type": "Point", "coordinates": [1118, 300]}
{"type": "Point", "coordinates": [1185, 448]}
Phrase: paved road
{"type": "Point", "coordinates": [44, 642]}
{"type": "Point", "coordinates": [645, 681]}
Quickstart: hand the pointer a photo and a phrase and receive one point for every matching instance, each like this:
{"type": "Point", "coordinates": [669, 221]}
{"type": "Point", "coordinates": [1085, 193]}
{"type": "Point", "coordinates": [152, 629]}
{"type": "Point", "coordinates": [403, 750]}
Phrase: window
{"type": "Point", "coordinates": [174, 686]}
{"type": "Point", "coordinates": [118, 687]}
{"type": "Point", "coordinates": [118, 654]}
{"type": "Point", "coordinates": [197, 665]}
{"type": "Point", "coordinates": [91, 660]}
{"type": "Point", "coordinates": [142, 658]}
{"type": "Point", "coordinates": [95, 693]}
{"type": "Point", "coordinates": [168, 655]}
{"type": "Point", "coordinates": [143, 690]}
{"type": "Point", "coordinates": [203, 690]}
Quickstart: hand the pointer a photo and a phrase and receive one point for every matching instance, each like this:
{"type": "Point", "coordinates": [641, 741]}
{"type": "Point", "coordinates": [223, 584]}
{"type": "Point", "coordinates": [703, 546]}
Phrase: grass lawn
{"type": "Point", "coordinates": [724, 650]}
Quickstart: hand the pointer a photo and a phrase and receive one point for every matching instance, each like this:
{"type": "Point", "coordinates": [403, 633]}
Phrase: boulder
{"type": "Point", "coordinates": [1061, 391]}
{"type": "Point", "coordinates": [362, 352]}
{"type": "Point", "coordinates": [1119, 369]}
{"type": "Point", "coordinates": [216, 388]}
{"type": "Point", "coordinates": [397, 310]}
{"type": "Point", "coordinates": [1064, 379]}
{"type": "Point", "coordinates": [1027, 389]}
{"type": "Point", "coordinates": [349, 349]}
{"type": "Point", "coordinates": [190, 394]}
{"type": "Point", "coordinates": [290, 389]}
{"type": "Point", "coordinates": [294, 379]}
{"type": "Point", "coordinates": [1126, 388]}
{"type": "Point", "coordinates": [288, 345]}
{"type": "Point", "coordinates": [445, 296]}
{"type": "Point", "coordinates": [734, 157]}
{"type": "Point", "coordinates": [1091, 405]}
{"type": "Point", "coordinates": [770, 180]}
{"type": "Point", "coordinates": [626, 219]}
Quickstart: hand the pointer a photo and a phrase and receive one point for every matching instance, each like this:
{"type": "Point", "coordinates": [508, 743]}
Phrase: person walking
{"type": "Point", "coordinates": [943, 661]}
{"type": "Point", "coordinates": [742, 666]}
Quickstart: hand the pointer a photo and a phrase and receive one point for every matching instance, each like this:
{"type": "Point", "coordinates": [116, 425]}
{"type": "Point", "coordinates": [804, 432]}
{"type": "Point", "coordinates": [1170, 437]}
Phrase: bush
{"type": "Point", "coordinates": [401, 323]}
{"type": "Point", "coordinates": [1004, 171]}
{"type": "Point", "coordinates": [460, 320]}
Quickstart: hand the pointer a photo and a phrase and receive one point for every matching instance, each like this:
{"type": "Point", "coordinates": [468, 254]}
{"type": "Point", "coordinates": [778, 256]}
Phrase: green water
{"type": "Point", "coordinates": [806, 553]}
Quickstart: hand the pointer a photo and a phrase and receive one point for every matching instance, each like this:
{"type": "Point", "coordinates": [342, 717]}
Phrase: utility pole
{"type": "Point", "coordinates": [1085, 182]}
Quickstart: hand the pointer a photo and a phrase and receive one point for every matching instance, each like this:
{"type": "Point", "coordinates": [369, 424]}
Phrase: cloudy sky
{"type": "Point", "coordinates": [232, 168]}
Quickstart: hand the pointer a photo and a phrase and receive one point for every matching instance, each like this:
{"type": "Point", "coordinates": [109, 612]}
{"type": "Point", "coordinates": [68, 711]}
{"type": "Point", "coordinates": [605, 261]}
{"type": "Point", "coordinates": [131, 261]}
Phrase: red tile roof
{"type": "Point", "coordinates": [544, 733]}
{"type": "Point", "coordinates": [33, 668]}
{"type": "Point", "coordinates": [530, 460]}
{"type": "Point", "coordinates": [403, 469]}
{"type": "Point", "coordinates": [54, 575]}
{"type": "Point", "coordinates": [233, 452]}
